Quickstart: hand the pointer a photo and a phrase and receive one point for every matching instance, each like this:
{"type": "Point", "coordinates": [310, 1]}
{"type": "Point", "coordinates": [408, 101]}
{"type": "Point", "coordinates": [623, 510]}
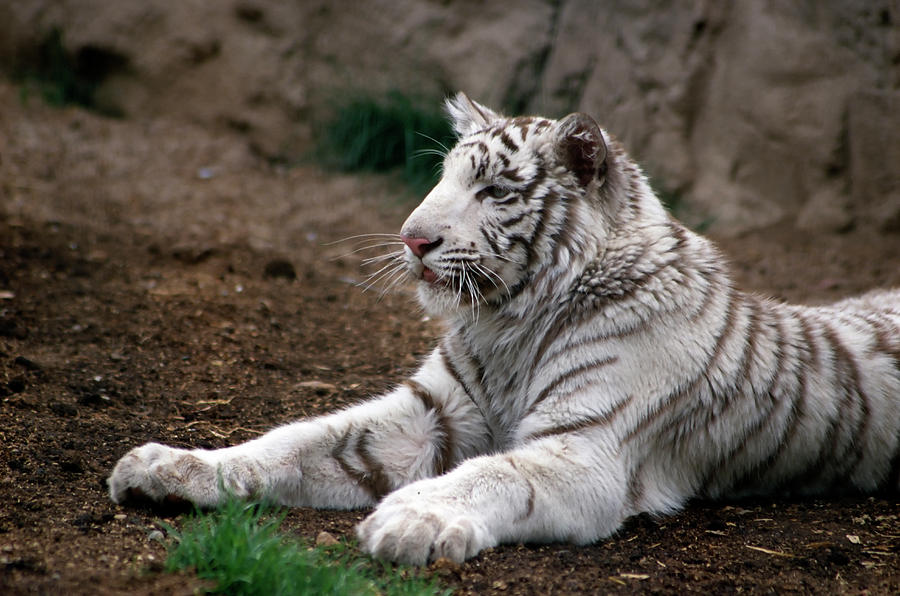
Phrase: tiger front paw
{"type": "Point", "coordinates": [162, 473]}
{"type": "Point", "coordinates": [414, 528]}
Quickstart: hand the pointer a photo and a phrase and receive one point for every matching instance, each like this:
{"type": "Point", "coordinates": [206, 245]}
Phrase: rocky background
{"type": "Point", "coordinates": [747, 112]}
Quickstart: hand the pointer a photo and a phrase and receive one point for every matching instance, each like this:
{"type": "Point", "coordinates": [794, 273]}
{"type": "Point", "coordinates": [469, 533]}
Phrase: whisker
{"type": "Point", "coordinates": [358, 236]}
{"type": "Point", "coordinates": [376, 245]}
{"type": "Point", "coordinates": [477, 299]}
{"type": "Point", "coordinates": [436, 142]}
{"type": "Point", "coordinates": [385, 273]}
{"type": "Point", "coordinates": [487, 274]}
{"type": "Point", "coordinates": [473, 301]}
{"type": "Point", "coordinates": [493, 255]}
{"type": "Point", "coordinates": [368, 247]}
{"type": "Point", "coordinates": [491, 275]}
{"type": "Point", "coordinates": [380, 258]}
{"type": "Point", "coordinates": [389, 281]}
{"type": "Point", "coordinates": [390, 267]}
{"type": "Point", "coordinates": [424, 152]}
{"type": "Point", "coordinates": [399, 275]}
{"type": "Point", "coordinates": [458, 295]}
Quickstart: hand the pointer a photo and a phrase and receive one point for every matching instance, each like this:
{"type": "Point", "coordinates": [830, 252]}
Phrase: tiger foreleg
{"type": "Point", "coordinates": [560, 489]}
{"type": "Point", "coordinates": [348, 459]}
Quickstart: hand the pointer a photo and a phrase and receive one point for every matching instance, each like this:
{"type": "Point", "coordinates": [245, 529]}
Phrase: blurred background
{"type": "Point", "coordinates": [743, 113]}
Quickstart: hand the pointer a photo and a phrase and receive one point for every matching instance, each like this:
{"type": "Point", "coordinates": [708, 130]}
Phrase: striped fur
{"type": "Point", "coordinates": [598, 363]}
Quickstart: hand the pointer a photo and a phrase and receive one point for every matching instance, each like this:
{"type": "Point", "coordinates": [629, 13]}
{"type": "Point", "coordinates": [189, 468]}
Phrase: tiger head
{"type": "Point", "coordinates": [522, 203]}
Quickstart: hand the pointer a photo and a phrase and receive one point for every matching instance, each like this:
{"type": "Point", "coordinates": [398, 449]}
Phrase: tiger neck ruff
{"type": "Point", "coordinates": [598, 363]}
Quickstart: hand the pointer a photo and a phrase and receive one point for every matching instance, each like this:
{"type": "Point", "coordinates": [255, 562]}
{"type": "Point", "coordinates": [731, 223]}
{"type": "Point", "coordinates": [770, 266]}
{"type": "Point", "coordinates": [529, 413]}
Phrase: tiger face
{"type": "Point", "coordinates": [513, 195]}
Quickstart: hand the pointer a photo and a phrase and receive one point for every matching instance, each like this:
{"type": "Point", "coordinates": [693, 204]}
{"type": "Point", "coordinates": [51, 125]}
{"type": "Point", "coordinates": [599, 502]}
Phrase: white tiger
{"type": "Point", "coordinates": [598, 362]}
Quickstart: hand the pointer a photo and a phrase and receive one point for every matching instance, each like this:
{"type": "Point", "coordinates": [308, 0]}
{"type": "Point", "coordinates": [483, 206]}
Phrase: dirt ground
{"type": "Point", "coordinates": [160, 282]}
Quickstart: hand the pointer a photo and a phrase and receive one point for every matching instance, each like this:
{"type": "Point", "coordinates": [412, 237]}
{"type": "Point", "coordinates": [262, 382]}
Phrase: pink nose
{"type": "Point", "coordinates": [420, 246]}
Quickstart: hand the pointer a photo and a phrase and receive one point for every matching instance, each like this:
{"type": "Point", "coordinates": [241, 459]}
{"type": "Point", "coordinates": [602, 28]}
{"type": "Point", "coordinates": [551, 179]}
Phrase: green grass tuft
{"type": "Point", "coordinates": [239, 548]}
{"type": "Point", "coordinates": [393, 133]}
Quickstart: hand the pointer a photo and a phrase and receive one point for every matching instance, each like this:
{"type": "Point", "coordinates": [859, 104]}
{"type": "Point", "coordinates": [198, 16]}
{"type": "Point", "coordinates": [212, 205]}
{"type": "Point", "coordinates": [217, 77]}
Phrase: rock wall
{"type": "Point", "coordinates": [751, 112]}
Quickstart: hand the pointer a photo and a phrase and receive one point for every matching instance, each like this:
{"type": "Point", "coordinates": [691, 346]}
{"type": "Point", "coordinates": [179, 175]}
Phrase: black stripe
{"type": "Point", "coordinates": [736, 303]}
{"type": "Point", "coordinates": [375, 476]}
{"type": "Point", "coordinates": [729, 393]}
{"type": "Point", "coordinates": [532, 493]}
{"type": "Point", "coordinates": [566, 320]}
{"type": "Point", "coordinates": [727, 396]}
{"type": "Point", "coordinates": [519, 286]}
{"type": "Point", "coordinates": [338, 454]}
{"type": "Point", "coordinates": [541, 125]}
{"type": "Point", "coordinates": [374, 481]}
{"type": "Point", "coordinates": [490, 241]}
{"type": "Point", "coordinates": [508, 142]}
{"type": "Point", "coordinates": [545, 212]}
{"type": "Point", "coordinates": [768, 391]}
{"type": "Point", "coordinates": [755, 474]}
{"type": "Point", "coordinates": [708, 294]}
{"type": "Point", "coordinates": [892, 480]}
{"type": "Point", "coordinates": [680, 234]}
{"type": "Point", "coordinates": [515, 219]}
{"type": "Point", "coordinates": [673, 399]}
{"type": "Point", "coordinates": [887, 342]}
{"type": "Point", "coordinates": [457, 376]}
{"type": "Point", "coordinates": [563, 238]}
{"type": "Point", "coordinates": [523, 130]}
{"type": "Point", "coordinates": [809, 358]}
{"type": "Point", "coordinates": [676, 397]}
{"type": "Point", "coordinates": [548, 389]}
{"type": "Point", "coordinates": [887, 338]}
{"type": "Point", "coordinates": [635, 485]}
{"type": "Point", "coordinates": [585, 341]}
{"type": "Point", "coordinates": [446, 439]}
{"type": "Point", "coordinates": [479, 144]}
{"type": "Point", "coordinates": [749, 350]}
{"type": "Point", "coordinates": [454, 372]}
{"type": "Point", "coordinates": [522, 123]}
{"type": "Point", "coordinates": [511, 175]}
{"type": "Point", "coordinates": [815, 469]}
{"type": "Point", "coordinates": [721, 465]}
{"type": "Point", "coordinates": [850, 368]}
{"type": "Point", "coordinates": [574, 427]}
{"type": "Point", "coordinates": [482, 168]}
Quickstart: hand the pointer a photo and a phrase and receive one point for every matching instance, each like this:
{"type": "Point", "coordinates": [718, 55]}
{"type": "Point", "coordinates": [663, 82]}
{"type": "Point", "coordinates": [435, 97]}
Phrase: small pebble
{"type": "Point", "coordinates": [156, 535]}
{"type": "Point", "coordinates": [444, 566]}
{"type": "Point", "coordinates": [326, 539]}
{"type": "Point", "coordinates": [27, 363]}
{"type": "Point", "coordinates": [319, 387]}
{"type": "Point", "coordinates": [280, 268]}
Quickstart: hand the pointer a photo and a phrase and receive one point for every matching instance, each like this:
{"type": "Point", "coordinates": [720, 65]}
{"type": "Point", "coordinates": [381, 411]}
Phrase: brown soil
{"type": "Point", "coordinates": [146, 294]}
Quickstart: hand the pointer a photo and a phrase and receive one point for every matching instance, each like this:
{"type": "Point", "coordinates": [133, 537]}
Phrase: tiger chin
{"type": "Point", "coordinates": [598, 363]}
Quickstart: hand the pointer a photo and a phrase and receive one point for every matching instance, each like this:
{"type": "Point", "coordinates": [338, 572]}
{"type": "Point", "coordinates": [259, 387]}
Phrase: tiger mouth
{"type": "Point", "coordinates": [430, 277]}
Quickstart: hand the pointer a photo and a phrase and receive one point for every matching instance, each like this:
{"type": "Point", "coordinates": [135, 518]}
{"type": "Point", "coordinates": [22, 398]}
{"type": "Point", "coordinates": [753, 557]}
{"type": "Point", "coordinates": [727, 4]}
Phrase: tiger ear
{"type": "Point", "coordinates": [468, 116]}
{"type": "Point", "coordinates": [581, 147]}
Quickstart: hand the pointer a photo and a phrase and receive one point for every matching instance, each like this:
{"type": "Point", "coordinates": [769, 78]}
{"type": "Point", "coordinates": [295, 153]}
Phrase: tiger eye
{"type": "Point", "coordinates": [495, 192]}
